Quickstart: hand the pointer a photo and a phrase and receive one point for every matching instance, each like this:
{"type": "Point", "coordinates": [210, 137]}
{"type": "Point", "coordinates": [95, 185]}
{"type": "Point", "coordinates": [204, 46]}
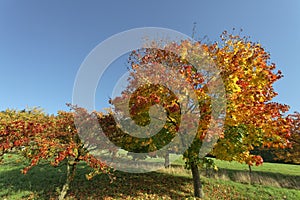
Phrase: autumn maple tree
{"type": "Point", "coordinates": [251, 119]}
{"type": "Point", "coordinates": [292, 154]}
{"type": "Point", "coordinates": [169, 105]}
{"type": "Point", "coordinates": [49, 138]}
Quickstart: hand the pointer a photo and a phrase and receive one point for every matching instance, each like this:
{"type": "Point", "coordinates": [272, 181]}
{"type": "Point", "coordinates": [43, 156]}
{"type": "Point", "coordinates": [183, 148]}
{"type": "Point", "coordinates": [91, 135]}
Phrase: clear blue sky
{"type": "Point", "coordinates": [43, 43]}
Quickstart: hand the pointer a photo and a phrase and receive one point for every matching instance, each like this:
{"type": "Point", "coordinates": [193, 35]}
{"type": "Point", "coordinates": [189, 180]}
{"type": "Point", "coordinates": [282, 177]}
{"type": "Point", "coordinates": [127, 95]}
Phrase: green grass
{"type": "Point", "coordinates": [44, 182]}
{"type": "Point", "coordinates": [268, 174]}
{"type": "Point", "coordinates": [265, 167]}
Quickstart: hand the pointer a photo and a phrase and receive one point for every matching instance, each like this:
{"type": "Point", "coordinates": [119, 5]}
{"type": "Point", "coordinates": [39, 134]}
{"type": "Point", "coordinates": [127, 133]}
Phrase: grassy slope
{"type": "Point", "coordinates": [43, 182]}
{"type": "Point", "coordinates": [268, 174]}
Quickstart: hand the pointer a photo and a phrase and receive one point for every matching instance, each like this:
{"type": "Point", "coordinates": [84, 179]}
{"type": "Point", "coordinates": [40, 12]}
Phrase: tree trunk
{"type": "Point", "coordinates": [70, 177]}
{"type": "Point", "coordinates": [250, 174]}
{"type": "Point", "coordinates": [198, 192]}
{"type": "Point", "coordinates": [167, 159]}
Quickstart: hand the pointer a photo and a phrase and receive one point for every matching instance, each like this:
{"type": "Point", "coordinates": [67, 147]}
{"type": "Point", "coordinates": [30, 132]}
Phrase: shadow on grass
{"type": "Point", "coordinates": [44, 182]}
{"type": "Point", "coordinates": [41, 182]}
{"type": "Point", "coordinates": [133, 186]}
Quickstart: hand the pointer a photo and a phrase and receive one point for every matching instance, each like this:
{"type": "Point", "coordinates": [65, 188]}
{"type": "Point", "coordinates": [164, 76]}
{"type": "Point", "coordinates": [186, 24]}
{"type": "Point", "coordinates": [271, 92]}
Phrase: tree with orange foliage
{"type": "Point", "coordinates": [53, 139]}
{"type": "Point", "coordinates": [251, 119]}
{"type": "Point", "coordinates": [292, 154]}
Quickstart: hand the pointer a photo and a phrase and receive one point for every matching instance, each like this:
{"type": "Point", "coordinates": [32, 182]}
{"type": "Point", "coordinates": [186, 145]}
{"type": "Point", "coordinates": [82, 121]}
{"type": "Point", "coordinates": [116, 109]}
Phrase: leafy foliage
{"type": "Point", "coordinates": [50, 138]}
{"type": "Point", "coordinates": [292, 154]}
{"type": "Point", "coordinates": [251, 118]}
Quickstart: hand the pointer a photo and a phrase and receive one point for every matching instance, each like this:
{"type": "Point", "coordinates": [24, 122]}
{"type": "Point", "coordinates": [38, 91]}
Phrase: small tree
{"type": "Point", "coordinates": [292, 154]}
{"type": "Point", "coordinates": [251, 119]}
{"type": "Point", "coordinates": [47, 137]}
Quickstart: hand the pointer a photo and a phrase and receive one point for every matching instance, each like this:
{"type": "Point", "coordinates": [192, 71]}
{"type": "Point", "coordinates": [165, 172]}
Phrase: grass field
{"type": "Point", "coordinates": [231, 181]}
